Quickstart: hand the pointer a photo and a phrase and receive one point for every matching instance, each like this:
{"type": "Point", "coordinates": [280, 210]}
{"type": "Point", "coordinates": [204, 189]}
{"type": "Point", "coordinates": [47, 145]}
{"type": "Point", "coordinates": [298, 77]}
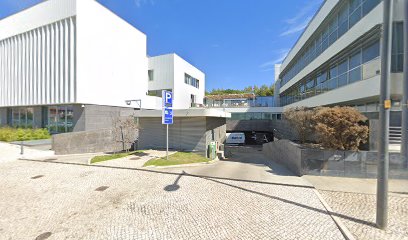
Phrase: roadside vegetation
{"type": "Point", "coordinates": [339, 128]}
{"type": "Point", "coordinates": [103, 158]}
{"type": "Point", "coordinates": [261, 91]}
{"type": "Point", "coordinates": [8, 134]}
{"type": "Point", "coordinates": [177, 159]}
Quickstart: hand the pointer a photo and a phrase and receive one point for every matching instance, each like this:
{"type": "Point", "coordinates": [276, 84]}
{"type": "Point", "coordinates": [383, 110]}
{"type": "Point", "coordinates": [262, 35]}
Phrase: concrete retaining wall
{"type": "Point", "coordinates": [101, 140]}
{"type": "Point", "coordinates": [286, 153]}
{"type": "Point", "coordinates": [307, 161]}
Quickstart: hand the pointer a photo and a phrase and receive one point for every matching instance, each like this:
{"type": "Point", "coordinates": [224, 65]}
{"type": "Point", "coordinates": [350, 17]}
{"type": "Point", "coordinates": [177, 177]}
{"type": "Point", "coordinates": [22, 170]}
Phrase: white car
{"type": "Point", "coordinates": [235, 138]}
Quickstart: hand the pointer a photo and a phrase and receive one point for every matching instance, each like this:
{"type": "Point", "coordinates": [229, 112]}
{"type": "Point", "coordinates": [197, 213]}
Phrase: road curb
{"type": "Point", "coordinates": [342, 227]}
{"type": "Point", "coordinates": [185, 165]}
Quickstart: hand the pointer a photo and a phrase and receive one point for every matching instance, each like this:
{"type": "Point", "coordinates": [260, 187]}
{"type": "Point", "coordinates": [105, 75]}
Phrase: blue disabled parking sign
{"type": "Point", "coordinates": [167, 116]}
{"type": "Point", "coordinates": [167, 108]}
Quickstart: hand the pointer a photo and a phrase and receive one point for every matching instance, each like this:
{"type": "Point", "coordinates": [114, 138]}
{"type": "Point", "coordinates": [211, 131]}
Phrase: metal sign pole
{"type": "Point", "coordinates": [167, 115]}
{"type": "Point", "coordinates": [167, 141]}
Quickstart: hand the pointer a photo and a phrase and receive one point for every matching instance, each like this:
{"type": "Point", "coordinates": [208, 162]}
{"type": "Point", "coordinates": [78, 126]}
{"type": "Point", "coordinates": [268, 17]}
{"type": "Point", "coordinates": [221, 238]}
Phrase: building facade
{"type": "Point", "coordinates": [336, 61]}
{"type": "Point", "coordinates": [171, 72]}
{"type": "Point", "coordinates": [70, 65]}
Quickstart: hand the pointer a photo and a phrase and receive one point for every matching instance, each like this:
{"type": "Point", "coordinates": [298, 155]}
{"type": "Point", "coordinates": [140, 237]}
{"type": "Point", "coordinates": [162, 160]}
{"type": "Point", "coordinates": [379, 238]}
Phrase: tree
{"type": "Point", "coordinates": [262, 91]}
{"type": "Point", "coordinates": [340, 128]}
{"type": "Point", "coordinates": [125, 131]}
{"type": "Point", "coordinates": [301, 119]}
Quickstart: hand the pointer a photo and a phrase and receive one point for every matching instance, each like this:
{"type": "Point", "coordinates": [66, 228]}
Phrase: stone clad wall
{"type": "Point", "coordinates": [93, 141]}
{"type": "Point", "coordinates": [307, 161]}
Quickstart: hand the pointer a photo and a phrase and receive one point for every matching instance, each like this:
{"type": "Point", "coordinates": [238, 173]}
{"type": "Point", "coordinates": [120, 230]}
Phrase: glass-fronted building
{"type": "Point", "coordinates": [336, 61]}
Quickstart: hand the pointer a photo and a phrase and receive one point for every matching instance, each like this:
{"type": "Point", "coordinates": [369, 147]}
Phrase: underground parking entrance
{"type": "Point", "coordinates": [253, 138]}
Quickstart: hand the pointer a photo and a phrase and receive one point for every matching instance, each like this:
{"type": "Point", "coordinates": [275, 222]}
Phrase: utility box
{"type": "Point", "coordinates": [212, 149]}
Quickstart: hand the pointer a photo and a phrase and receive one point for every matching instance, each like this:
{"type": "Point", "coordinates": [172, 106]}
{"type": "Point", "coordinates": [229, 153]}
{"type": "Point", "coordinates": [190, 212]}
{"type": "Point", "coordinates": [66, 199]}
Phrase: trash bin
{"type": "Point", "coordinates": [212, 150]}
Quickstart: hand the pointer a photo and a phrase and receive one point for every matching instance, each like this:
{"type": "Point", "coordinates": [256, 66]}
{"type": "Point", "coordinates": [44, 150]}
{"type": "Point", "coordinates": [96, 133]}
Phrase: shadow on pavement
{"type": "Point", "coordinates": [175, 186]}
{"type": "Point", "coordinates": [253, 155]}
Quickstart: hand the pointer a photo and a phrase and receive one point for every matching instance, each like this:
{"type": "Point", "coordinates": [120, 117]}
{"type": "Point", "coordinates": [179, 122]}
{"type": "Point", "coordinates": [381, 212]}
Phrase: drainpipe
{"type": "Point", "coordinates": [404, 129]}
{"type": "Point", "coordinates": [385, 105]}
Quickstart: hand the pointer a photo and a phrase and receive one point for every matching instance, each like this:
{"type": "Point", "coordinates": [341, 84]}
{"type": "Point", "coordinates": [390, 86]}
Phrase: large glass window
{"type": "Point", "coordinates": [338, 73]}
{"type": "Point", "coordinates": [371, 52]}
{"type": "Point", "coordinates": [22, 117]}
{"type": "Point", "coordinates": [60, 119]}
{"type": "Point", "coordinates": [355, 75]}
{"type": "Point", "coordinates": [368, 5]}
{"type": "Point", "coordinates": [349, 13]}
{"type": "Point", "coordinates": [355, 12]}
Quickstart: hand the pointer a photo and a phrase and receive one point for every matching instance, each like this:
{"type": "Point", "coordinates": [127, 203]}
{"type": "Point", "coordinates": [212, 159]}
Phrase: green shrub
{"type": "Point", "coordinates": [8, 134]}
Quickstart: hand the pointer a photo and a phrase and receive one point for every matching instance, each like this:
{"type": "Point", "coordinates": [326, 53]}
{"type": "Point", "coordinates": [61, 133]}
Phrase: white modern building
{"type": "Point", "coordinates": [336, 61]}
{"type": "Point", "coordinates": [171, 72]}
{"type": "Point", "coordinates": [69, 65]}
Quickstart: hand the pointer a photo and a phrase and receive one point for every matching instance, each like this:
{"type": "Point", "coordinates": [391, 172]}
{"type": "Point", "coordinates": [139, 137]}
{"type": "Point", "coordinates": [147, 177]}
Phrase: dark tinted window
{"type": "Point", "coordinates": [371, 52]}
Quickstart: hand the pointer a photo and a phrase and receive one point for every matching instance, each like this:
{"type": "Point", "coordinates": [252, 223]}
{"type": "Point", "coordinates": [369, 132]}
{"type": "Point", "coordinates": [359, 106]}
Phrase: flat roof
{"type": "Point", "coordinates": [191, 112]}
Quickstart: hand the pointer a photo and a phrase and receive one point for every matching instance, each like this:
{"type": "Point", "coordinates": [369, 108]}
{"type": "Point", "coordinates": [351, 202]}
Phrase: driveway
{"type": "Point", "coordinates": [244, 197]}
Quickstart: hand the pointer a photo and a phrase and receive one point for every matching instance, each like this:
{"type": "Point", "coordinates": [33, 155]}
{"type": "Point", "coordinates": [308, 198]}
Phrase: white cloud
{"type": "Point", "coordinates": [300, 21]}
{"type": "Point", "coordinates": [270, 65]}
{"type": "Point", "coordinates": [140, 3]}
{"type": "Point", "coordinates": [296, 28]}
{"type": "Point", "coordinates": [305, 10]}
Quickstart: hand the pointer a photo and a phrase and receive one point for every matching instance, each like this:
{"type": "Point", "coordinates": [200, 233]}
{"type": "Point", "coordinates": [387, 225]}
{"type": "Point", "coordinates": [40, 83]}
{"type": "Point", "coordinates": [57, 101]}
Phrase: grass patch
{"type": "Point", "coordinates": [8, 134]}
{"type": "Point", "coordinates": [112, 156]}
{"type": "Point", "coordinates": [177, 159]}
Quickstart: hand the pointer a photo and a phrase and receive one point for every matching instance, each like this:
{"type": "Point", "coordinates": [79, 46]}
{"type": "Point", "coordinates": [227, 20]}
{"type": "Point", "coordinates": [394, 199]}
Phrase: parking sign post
{"type": "Point", "coordinates": [167, 115]}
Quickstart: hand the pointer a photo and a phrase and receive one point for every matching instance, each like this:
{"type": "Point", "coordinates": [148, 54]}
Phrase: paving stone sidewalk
{"type": "Point", "coordinates": [66, 201]}
{"type": "Point", "coordinates": [357, 211]}
{"type": "Point", "coordinates": [353, 200]}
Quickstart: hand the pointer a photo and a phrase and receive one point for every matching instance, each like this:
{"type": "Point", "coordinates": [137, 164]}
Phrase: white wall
{"type": "Point", "coordinates": [37, 55]}
{"type": "Point", "coordinates": [44, 13]}
{"type": "Point", "coordinates": [183, 91]}
{"type": "Point", "coordinates": [111, 61]}
{"type": "Point", "coordinates": [169, 73]}
{"type": "Point", "coordinates": [163, 72]}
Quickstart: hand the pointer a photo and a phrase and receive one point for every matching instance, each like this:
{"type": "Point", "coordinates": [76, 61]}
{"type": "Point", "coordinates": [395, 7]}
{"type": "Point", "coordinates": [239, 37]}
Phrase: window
{"type": "Point", "coordinates": [347, 71]}
{"type": "Point", "coordinates": [191, 81]}
{"type": "Point", "coordinates": [193, 99]}
{"type": "Point", "coordinates": [368, 5]}
{"type": "Point", "coordinates": [354, 66]}
{"type": "Point", "coordinates": [322, 77]}
{"type": "Point", "coordinates": [348, 14]}
{"type": "Point", "coordinates": [355, 60]}
{"type": "Point", "coordinates": [371, 52]}
{"type": "Point", "coordinates": [397, 52]}
{"type": "Point", "coordinates": [22, 117]}
{"type": "Point", "coordinates": [151, 75]}
{"type": "Point", "coordinates": [60, 119]}
{"type": "Point", "coordinates": [355, 75]}
{"type": "Point", "coordinates": [333, 72]}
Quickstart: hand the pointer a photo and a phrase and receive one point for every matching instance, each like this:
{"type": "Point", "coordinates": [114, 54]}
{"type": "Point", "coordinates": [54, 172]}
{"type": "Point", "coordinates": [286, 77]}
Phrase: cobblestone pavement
{"type": "Point", "coordinates": [357, 212]}
{"type": "Point", "coordinates": [10, 152]}
{"type": "Point", "coordinates": [68, 201]}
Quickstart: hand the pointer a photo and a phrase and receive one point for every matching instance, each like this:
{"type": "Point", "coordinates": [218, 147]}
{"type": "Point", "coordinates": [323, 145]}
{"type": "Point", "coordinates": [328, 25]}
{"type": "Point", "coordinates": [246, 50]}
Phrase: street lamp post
{"type": "Point", "coordinates": [385, 105]}
{"type": "Point", "coordinates": [404, 127]}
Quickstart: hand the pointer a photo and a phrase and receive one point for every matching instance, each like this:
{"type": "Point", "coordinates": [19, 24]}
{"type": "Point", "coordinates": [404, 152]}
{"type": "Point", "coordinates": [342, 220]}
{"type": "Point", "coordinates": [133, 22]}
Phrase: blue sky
{"type": "Point", "coordinates": [235, 42]}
